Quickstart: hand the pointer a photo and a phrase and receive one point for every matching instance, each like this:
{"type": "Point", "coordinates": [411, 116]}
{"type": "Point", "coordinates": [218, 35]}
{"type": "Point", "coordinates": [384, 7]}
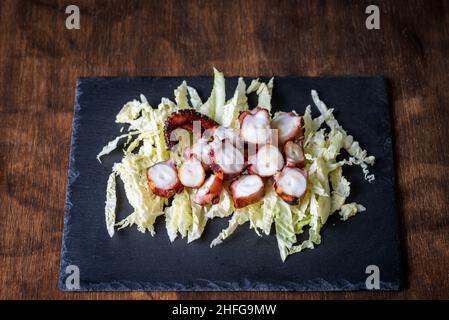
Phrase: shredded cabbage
{"type": "Point", "coordinates": [240, 216]}
{"type": "Point", "coordinates": [147, 206]}
{"type": "Point", "coordinates": [199, 220]}
{"type": "Point", "coordinates": [264, 92]}
{"type": "Point", "coordinates": [195, 99]}
{"type": "Point", "coordinates": [213, 107]}
{"type": "Point", "coordinates": [178, 216]}
{"type": "Point", "coordinates": [223, 208]}
{"type": "Point", "coordinates": [181, 96]}
{"type": "Point", "coordinates": [327, 191]}
{"type": "Point", "coordinates": [237, 104]}
{"type": "Point", "coordinates": [110, 205]}
{"type": "Point", "coordinates": [111, 146]}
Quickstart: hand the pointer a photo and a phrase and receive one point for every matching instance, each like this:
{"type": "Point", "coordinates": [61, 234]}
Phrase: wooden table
{"type": "Point", "coordinates": [40, 61]}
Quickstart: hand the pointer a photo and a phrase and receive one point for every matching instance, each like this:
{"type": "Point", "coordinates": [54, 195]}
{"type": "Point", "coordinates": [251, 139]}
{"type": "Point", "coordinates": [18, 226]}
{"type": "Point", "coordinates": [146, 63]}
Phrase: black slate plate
{"type": "Point", "coordinates": [135, 261]}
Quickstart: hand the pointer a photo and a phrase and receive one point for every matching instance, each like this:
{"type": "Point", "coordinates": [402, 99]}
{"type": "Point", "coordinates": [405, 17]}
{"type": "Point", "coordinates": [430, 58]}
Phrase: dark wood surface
{"type": "Point", "coordinates": [40, 61]}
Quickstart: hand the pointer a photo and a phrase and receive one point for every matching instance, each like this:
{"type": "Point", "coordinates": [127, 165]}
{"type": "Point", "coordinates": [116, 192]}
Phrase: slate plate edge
{"type": "Point", "coordinates": [72, 175]}
{"type": "Point", "coordinates": [203, 284]}
{"type": "Point", "coordinates": [316, 285]}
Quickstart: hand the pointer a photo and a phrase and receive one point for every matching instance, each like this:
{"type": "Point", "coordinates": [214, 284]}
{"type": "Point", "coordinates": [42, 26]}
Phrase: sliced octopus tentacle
{"type": "Point", "coordinates": [184, 119]}
{"type": "Point", "coordinates": [291, 184]}
{"type": "Point", "coordinates": [266, 162]}
{"type": "Point", "coordinates": [210, 191]}
{"type": "Point", "coordinates": [288, 125]}
{"type": "Point", "coordinates": [255, 126]}
{"type": "Point", "coordinates": [163, 179]}
{"type": "Point", "coordinates": [192, 173]}
{"type": "Point", "coordinates": [247, 189]}
{"type": "Point", "coordinates": [294, 154]}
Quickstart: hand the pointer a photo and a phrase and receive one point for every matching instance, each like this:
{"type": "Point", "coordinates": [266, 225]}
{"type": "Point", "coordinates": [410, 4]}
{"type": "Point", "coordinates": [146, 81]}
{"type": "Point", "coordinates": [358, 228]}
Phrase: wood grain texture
{"type": "Point", "coordinates": [40, 61]}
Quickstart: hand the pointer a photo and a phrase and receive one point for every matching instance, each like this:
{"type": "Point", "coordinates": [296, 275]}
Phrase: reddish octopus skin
{"type": "Point", "coordinates": [188, 153]}
{"type": "Point", "coordinates": [288, 161]}
{"type": "Point", "coordinates": [216, 169]}
{"type": "Point", "coordinates": [240, 202]}
{"type": "Point", "coordinates": [291, 200]}
{"type": "Point", "coordinates": [243, 114]}
{"type": "Point", "coordinates": [288, 198]}
{"type": "Point", "coordinates": [251, 169]}
{"type": "Point", "coordinates": [165, 193]}
{"type": "Point", "coordinates": [213, 196]}
{"type": "Point", "coordinates": [184, 119]}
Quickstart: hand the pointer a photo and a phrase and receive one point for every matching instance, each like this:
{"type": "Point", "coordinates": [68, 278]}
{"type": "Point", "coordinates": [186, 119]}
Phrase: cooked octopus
{"type": "Point", "coordinates": [255, 126]}
{"type": "Point", "coordinates": [220, 149]}
{"type": "Point", "coordinates": [191, 173]}
{"type": "Point", "coordinates": [227, 159]}
{"type": "Point", "coordinates": [231, 135]}
{"type": "Point", "coordinates": [200, 150]}
{"type": "Point", "coordinates": [246, 190]}
{"type": "Point", "coordinates": [290, 184]}
{"type": "Point", "coordinates": [267, 161]}
{"type": "Point", "coordinates": [163, 179]}
{"type": "Point", "coordinates": [185, 119]}
{"type": "Point", "coordinates": [289, 126]}
{"type": "Point", "coordinates": [210, 191]}
{"type": "Point", "coordinates": [294, 154]}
